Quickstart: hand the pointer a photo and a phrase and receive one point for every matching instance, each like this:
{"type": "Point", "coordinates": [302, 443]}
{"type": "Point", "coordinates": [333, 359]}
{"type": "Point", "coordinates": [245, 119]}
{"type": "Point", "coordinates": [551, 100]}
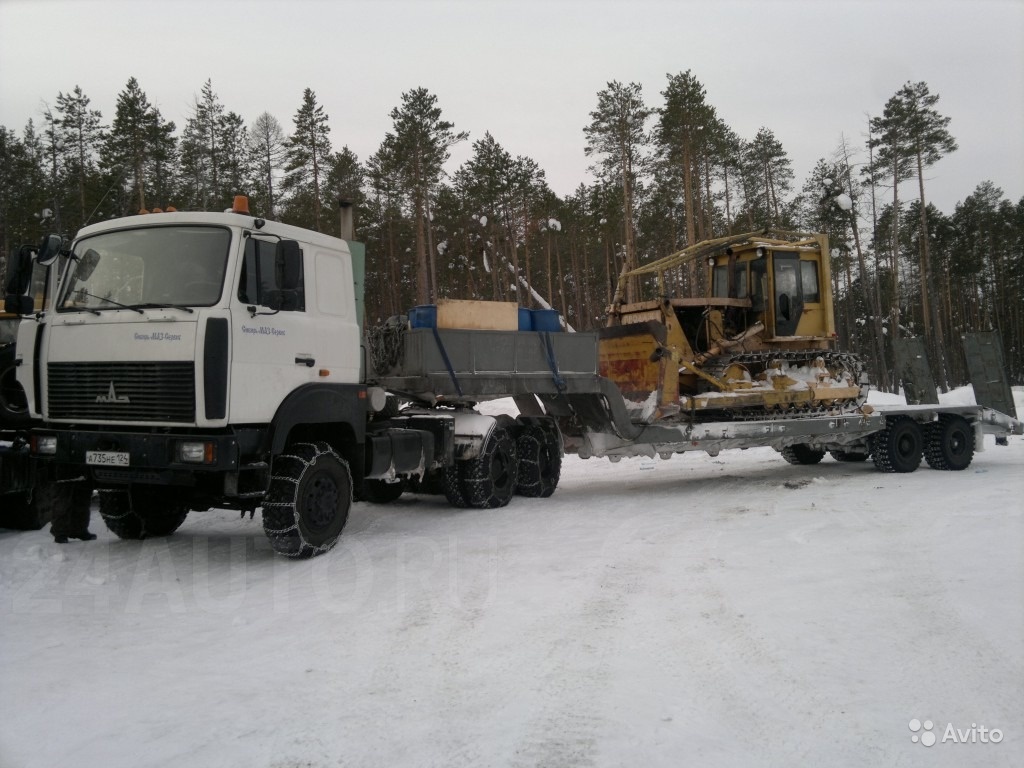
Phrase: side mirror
{"type": "Point", "coordinates": [18, 304]}
{"type": "Point", "coordinates": [49, 249]}
{"type": "Point", "coordinates": [19, 273]}
{"type": "Point", "coordinates": [288, 256]}
{"type": "Point", "coordinates": [87, 265]}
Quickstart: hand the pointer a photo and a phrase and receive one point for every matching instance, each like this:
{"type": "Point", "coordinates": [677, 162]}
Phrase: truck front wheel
{"type": "Point", "coordinates": [142, 513]}
{"type": "Point", "coordinates": [309, 499]}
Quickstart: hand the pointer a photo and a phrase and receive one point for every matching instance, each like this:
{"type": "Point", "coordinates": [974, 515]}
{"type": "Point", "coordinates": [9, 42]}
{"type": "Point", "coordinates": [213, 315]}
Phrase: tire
{"type": "Point", "coordinates": [141, 513]}
{"type": "Point", "coordinates": [802, 454]}
{"type": "Point", "coordinates": [849, 456]}
{"type": "Point", "coordinates": [452, 484]}
{"type": "Point", "coordinates": [381, 492]}
{"type": "Point", "coordinates": [32, 510]}
{"type": "Point", "coordinates": [309, 500]}
{"type": "Point", "coordinates": [13, 403]}
{"type": "Point", "coordinates": [540, 461]}
{"type": "Point", "coordinates": [489, 480]}
{"type": "Point", "coordinates": [898, 447]}
{"type": "Point", "coordinates": [949, 443]}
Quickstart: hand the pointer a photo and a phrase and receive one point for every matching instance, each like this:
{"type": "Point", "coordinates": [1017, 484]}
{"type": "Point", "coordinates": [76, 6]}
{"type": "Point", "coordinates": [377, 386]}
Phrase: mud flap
{"type": "Point", "coordinates": [984, 352]}
{"type": "Point", "coordinates": [914, 371]}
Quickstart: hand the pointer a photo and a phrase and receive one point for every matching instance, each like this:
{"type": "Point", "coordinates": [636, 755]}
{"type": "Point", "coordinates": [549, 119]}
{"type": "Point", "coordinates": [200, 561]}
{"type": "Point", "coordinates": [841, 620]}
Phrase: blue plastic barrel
{"type": "Point", "coordinates": [424, 316]}
{"type": "Point", "coordinates": [525, 319]}
{"type": "Point", "coordinates": [546, 320]}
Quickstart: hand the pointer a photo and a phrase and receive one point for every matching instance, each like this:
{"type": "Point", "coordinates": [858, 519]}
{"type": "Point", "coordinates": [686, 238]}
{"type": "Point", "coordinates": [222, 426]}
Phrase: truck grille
{"type": "Point", "coordinates": [160, 392]}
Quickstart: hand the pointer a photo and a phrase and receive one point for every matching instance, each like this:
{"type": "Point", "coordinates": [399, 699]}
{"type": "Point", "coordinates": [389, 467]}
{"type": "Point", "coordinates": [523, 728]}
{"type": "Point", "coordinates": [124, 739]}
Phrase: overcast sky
{"type": "Point", "coordinates": [529, 72]}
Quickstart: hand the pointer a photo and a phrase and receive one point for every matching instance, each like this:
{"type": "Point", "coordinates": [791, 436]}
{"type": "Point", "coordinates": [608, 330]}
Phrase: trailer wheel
{"type": "Point", "coordinates": [381, 492]}
{"type": "Point", "coordinates": [540, 461]}
{"type": "Point", "coordinates": [802, 454]}
{"type": "Point", "coordinates": [849, 456]}
{"type": "Point", "coordinates": [489, 480]}
{"type": "Point", "coordinates": [141, 514]}
{"type": "Point", "coordinates": [898, 447]}
{"type": "Point", "coordinates": [949, 443]}
{"type": "Point", "coordinates": [309, 499]}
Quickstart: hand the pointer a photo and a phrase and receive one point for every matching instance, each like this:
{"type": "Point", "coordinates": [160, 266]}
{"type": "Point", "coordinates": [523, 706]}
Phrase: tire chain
{"type": "Point", "coordinates": [305, 549]}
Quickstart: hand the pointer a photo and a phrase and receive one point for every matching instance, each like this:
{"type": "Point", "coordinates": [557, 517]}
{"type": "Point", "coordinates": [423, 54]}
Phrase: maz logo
{"type": "Point", "coordinates": [112, 396]}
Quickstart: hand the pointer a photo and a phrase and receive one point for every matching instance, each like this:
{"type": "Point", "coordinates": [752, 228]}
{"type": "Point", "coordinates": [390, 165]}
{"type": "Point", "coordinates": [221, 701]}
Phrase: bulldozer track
{"type": "Point", "coordinates": [840, 364]}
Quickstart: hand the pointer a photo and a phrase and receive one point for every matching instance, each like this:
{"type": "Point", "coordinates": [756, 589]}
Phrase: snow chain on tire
{"type": "Point", "coordinates": [489, 480]}
{"type": "Point", "coordinates": [540, 461]}
{"type": "Point", "coordinates": [304, 473]}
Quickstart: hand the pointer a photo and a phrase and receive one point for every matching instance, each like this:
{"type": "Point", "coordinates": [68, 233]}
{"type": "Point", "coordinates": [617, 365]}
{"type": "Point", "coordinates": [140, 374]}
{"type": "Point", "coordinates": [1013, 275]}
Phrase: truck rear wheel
{"type": "Point", "coordinates": [540, 462]}
{"type": "Point", "coordinates": [142, 513]}
{"type": "Point", "coordinates": [898, 447]}
{"type": "Point", "coordinates": [949, 443]}
{"type": "Point", "coordinates": [802, 454]}
{"type": "Point", "coordinates": [489, 480]}
{"type": "Point", "coordinates": [452, 484]}
{"type": "Point", "coordinates": [309, 499]}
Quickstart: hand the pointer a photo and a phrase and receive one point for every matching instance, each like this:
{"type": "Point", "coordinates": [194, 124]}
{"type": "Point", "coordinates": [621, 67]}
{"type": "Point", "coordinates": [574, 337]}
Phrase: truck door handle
{"type": "Point", "coordinates": [305, 360]}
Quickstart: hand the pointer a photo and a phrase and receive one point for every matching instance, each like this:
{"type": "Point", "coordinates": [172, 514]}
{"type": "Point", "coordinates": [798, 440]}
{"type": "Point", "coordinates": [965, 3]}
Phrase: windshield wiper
{"type": "Point", "coordinates": [155, 305]}
{"type": "Point", "coordinates": [102, 298]}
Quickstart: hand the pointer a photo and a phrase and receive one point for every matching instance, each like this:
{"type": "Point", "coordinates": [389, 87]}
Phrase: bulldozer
{"type": "Point", "coordinates": [760, 344]}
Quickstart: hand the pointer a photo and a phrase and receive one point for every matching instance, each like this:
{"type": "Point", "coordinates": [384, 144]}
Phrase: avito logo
{"type": "Point", "coordinates": [976, 734]}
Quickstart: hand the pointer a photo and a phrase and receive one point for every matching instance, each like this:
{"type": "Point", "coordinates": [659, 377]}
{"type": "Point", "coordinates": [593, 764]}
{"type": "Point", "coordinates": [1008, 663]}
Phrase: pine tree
{"type": "Point", "coordinates": [22, 189]}
{"type": "Point", "coordinates": [770, 175]}
{"type": "Point", "coordinates": [891, 155]}
{"type": "Point", "coordinates": [617, 134]}
{"type": "Point", "coordinates": [129, 145]}
{"type": "Point", "coordinates": [928, 141]}
{"type": "Point", "coordinates": [267, 151]}
{"type": "Point", "coordinates": [344, 181]}
{"type": "Point", "coordinates": [83, 137]}
{"type": "Point", "coordinates": [53, 143]}
{"type": "Point", "coordinates": [236, 162]}
{"type": "Point", "coordinates": [307, 152]}
{"type": "Point", "coordinates": [419, 143]}
{"type": "Point", "coordinates": [685, 122]}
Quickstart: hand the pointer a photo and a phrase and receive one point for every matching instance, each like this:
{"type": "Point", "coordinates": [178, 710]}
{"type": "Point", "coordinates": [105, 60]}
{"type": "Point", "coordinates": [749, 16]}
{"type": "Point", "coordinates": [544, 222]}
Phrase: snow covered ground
{"type": "Point", "coordinates": [729, 611]}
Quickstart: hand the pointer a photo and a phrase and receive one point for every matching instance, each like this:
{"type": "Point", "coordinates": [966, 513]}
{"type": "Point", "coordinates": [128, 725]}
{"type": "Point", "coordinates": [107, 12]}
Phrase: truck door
{"type": "Point", "coordinates": [789, 299]}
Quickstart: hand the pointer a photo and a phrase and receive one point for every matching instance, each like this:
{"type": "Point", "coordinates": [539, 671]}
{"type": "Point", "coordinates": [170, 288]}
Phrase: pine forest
{"type": "Point", "coordinates": [669, 173]}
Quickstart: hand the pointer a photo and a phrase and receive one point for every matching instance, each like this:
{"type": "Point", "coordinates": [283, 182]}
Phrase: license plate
{"type": "Point", "coordinates": [107, 458]}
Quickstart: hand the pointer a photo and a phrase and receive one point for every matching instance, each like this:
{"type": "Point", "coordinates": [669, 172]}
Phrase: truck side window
{"type": "Point", "coordinates": [263, 280]}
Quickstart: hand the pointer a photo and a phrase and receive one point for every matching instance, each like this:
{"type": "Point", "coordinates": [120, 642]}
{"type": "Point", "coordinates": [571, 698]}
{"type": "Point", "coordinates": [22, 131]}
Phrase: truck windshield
{"type": "Point", "coordinates": [149, 266]}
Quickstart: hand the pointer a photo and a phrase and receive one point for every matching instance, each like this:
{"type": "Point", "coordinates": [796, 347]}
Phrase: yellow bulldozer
{"type": "Point", "coordinates": [761, 343]}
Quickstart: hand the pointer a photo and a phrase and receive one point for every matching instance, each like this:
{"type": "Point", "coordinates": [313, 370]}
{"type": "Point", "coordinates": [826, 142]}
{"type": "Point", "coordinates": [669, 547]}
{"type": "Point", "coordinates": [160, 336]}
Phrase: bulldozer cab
{"type": "Point", "coordinates": [783, 281]}
{"type": "Point", "coordinates": [761, 338]}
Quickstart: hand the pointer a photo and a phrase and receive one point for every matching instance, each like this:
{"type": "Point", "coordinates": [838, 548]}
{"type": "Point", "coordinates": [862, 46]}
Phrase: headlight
{"type": "Point", "coordinates": [45, 445]}
{"type": "Point", "coordinates": [197, 452]}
